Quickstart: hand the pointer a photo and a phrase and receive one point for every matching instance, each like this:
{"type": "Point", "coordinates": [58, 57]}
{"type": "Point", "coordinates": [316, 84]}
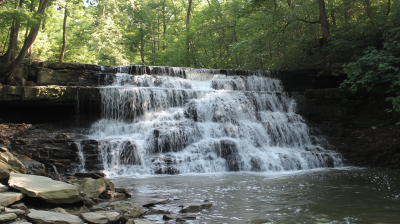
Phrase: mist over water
{"type": "Point", "coordinates": [204, 122]}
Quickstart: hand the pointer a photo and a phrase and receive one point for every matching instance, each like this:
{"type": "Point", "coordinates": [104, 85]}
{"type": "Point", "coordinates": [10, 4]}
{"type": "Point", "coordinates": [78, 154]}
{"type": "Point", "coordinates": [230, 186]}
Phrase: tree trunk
{"type": "Point", "coordinates": [64, 33]}
{"type": "Point", "coordinates": [187, 33]}
{"type": "Point", "coordinates": [347, 7]}
{"type": "Point", "coordinates": [9, 70]}
{"type": "Point", "coordinates": [324, 21]}
{"type": "Point", "coordinates": [388, 10]}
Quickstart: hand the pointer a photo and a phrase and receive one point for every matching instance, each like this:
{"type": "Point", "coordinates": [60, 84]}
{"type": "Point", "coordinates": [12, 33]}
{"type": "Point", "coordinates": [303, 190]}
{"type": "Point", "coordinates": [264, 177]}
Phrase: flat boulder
{"type": "Point", "coordinates": [14, 210]}
{"type": "Point", "coordinates": [7, 198]}
{"type": "Point", "coordinates": [138, 221]}
{"type": "Point", "coordinates": [45, 188]}
{"type": "Point", "coordinates": [47, 217]}
{"type": "Point", "coordinates": [7, 217]}
{"type": "Point", "coordinates": [101, 217]}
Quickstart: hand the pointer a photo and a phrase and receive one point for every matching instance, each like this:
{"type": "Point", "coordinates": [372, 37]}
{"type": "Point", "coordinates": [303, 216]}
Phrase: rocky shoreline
{"type": "Point", "coordinates": [71, 199]}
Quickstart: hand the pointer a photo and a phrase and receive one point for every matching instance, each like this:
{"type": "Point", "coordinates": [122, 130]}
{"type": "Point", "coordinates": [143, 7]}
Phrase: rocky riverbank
{"type": "Point", "coordinates": [43, 197]}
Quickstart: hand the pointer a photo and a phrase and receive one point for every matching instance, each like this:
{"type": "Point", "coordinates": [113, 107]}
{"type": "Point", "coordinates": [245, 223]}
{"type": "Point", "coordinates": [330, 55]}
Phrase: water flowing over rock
{"type": "Point", "coordinates": [161, 122]}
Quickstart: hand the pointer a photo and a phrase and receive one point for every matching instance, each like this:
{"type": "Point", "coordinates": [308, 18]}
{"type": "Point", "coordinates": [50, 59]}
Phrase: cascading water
{"type": "Point", "coordinates": [203, 122]}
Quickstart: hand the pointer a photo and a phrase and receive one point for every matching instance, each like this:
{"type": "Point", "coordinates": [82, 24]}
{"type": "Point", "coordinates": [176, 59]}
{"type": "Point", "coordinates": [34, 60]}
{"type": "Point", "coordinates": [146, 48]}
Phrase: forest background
{"type": "Point", "coordinates": [231, 34]}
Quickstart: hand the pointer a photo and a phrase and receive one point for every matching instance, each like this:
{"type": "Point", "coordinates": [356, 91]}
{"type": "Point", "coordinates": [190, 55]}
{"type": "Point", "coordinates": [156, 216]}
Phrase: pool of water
{"type": "Point", "coordinates": [346, 195]}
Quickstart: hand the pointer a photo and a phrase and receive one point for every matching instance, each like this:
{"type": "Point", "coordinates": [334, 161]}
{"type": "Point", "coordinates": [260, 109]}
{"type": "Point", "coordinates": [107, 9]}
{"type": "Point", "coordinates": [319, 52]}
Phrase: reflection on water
{"type": "Point", "coordinates": [347, 195]}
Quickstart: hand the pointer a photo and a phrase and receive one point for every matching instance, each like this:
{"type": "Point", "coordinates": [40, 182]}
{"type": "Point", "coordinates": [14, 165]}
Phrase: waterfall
{"type": "Point", "coordinates": [198, 121]}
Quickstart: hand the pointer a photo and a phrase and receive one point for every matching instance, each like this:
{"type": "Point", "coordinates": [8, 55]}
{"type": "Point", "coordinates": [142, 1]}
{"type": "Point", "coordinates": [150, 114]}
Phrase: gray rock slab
{"type": "Point", "coordinates": [15, 210]}
{"type": "Point", "coordinates": [21, 222]}
{"type": "Point", "coordinates": [138, 221]}
{"type": "Point", "coordinates": [101, 217]}
{"type": "Point", "coordinates": [47, 217]}
{"type": "Point", "coordinates": [3, 188]}
{"type": "Point", "coordinates": [7, 217]}
{"type": "Point", "coordinates": [45, 188]}
{"type": "Point", "coordinates": [8, 197]}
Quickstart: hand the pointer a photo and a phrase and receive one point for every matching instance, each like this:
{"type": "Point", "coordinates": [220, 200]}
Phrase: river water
{"type": "Point", "coordinates": [338, 195]}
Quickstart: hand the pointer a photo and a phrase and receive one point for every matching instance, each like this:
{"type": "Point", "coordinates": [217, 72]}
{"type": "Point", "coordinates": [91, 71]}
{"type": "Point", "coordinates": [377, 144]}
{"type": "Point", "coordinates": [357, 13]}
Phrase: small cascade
{"type": "Point", "coordinates": [81, 167]}
{"type": "Point", "coordinates": [165, 120]}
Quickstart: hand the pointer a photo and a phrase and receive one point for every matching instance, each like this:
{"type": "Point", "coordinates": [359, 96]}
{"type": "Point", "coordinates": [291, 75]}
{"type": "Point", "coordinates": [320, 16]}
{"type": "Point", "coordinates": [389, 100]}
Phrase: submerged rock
{"type": "Point", "coordinates": [7, 198]}
{"type": "Point", "coordinates": [152, 204]}
{"type": "Point", "coordinates": [45, 188]}
{"type": "Point", "coordinates": [44, 217]}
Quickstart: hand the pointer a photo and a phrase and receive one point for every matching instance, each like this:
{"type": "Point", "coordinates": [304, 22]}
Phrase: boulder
{"type": "Point", "coordinates": [168, 217]}
{"type": "Point", "coordinates": [152, 204]}
{"type": "Point", "coordinates": [135, 211]}
{"type": "Point", "coordinates": [124, 191]}
{"type": "Point", "coordinates": [8, 164]}
{"type": "Point", "coordinates": [15, 210]}
{"type": "Point", "coordinates": [3, 188]}
{"type": "Point", "coordinates": [91, 188]}
{"type": "Point", "coordinates": [20, 222]}
{"type": "Point", "coordinates": [120, 206]}
{"type": "Point", "coordinates": [7, 198]}
{"type": "Point", "coordinates": [1, 209]}
{"type": "Point", "coordinates": [101, 217]}
{"type": "Point", "coordinates": [19, 206]}
{"type": "Point", "coordinates": [195, 208]}
{"type": "Point", "coordinates": [138, 221]}
{"type": "Point", "coordinates": [45, 188]}
{"type": "Point", "coordinates": [44, 217]}
{"type": "Point", "coordinates": [7, 217]}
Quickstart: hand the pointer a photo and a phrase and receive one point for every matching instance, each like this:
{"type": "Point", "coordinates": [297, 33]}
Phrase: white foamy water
{"type": "Point", "coordinates": [208, 122]}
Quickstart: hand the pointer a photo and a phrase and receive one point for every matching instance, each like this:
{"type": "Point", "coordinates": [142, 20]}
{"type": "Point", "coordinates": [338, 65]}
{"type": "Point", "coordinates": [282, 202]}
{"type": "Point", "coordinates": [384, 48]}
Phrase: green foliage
{"type": "Point", "coordinates": [378, 67]}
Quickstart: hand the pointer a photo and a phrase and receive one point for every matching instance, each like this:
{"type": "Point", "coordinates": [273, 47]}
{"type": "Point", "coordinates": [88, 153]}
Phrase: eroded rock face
{"type": "Point", "coordinates": [45, 188]}
{"type": "Point", "coordinates": [44, 217]}
{"type": "Point", "coordinates": [9, 163]}
{"type": "Point", "coordinates": [7, 198]}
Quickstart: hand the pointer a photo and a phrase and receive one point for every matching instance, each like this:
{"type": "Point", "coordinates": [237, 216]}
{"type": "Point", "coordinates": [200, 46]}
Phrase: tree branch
{"type": "Point", "coordinates": [302, 20]}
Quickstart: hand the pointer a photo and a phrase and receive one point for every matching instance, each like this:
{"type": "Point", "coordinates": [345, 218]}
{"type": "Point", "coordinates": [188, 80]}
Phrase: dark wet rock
{"type": "Point", "coordinates": [184, 218]}
{"type": "Point", "coordinates": [195, 208]}
{"type": "Point", "coordinates": [152, 204]}
{"type": "Point", "coordinates": [168, 217]}
{"type": "Point", "coordinates": [124, 191]}
{"type": "Point", "coordinates": [157, 212]}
